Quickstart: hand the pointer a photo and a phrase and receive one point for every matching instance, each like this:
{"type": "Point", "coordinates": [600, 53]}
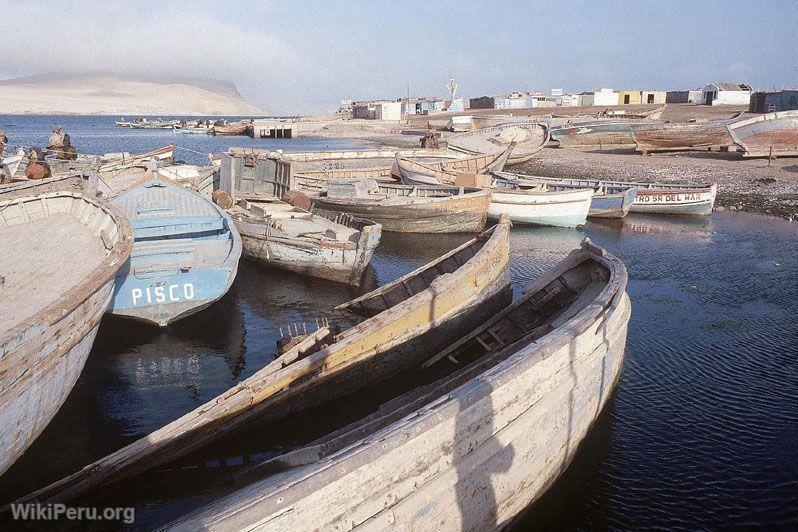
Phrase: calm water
{"type": "Point", "coordinates": [701, 433]}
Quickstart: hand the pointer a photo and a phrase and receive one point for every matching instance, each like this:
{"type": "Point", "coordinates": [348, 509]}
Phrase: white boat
{"type": "Point", "coordinates": [12, 162]}
{"type": "Point", "coordinates": [555, 208]}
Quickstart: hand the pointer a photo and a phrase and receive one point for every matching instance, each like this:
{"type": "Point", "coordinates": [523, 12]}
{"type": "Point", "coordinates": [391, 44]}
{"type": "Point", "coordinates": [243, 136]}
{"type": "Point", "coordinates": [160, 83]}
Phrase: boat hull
{"type": "Point", "coordinates": [342, 264]}
{"type": "Point", "coordinates": [569, 209]}
{"type": "Point", "coordinates": [682, 138]}
{"type": "Point", "coordinates": [768, 135]}
{"type": "Point", "coordinates": [612, 205]}
{"type": "Point", "coordinates": [464, 213]}
{"type": "Point", "coordinates": [471, 459]}
{"type": "Point", "coordinates": [697, 202]}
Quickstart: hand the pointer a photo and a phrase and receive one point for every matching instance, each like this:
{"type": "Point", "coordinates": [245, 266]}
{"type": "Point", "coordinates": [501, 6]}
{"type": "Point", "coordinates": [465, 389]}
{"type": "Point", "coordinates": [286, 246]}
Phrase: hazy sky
{"type": "Point", "coordinates": [300, 57]}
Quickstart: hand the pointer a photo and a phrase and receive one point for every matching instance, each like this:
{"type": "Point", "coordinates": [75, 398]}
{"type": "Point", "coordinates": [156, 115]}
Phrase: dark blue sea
{"type": "Point", "coordinates": [701, 433]}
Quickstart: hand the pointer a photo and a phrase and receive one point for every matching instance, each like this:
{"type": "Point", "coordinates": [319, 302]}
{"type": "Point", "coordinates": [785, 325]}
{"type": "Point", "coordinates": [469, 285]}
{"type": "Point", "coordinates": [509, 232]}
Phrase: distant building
{"type": "Point", "coordinates": [727, 94]}
{"type": "Point", "coordinates": [628, 97]}
{"type": "Point", "coordinates": [557, 92]}
{"type": "Point", "coordinates": [483, 102]}
{"type": "Point", "coordinates": [655, 97]}
{"type": "Point", "coordinates": [771, 102]}
{"type": "Point", "coordinates": [389, 111]}
{"type": "Point", "coordinates": [605, 97]}
{"type": "Point", "coordinates": [364, 110]}
{"type": "Point", "coordinates": [691, 96]}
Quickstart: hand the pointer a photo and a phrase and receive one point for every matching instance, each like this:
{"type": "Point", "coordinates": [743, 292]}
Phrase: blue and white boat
{"type": "Point", "coordinates": [185, 255]}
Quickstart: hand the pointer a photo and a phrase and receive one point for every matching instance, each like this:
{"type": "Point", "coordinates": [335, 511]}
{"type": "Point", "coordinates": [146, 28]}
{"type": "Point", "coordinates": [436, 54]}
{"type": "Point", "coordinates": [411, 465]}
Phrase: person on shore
{"type": "Point", "coordinates": [37, 167]}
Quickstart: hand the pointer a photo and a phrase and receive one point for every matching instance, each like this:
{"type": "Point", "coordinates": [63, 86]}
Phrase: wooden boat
{"type": "Point", "coordinates": [655, 198]}
{"type": "Point", "coordinates": [185, 255]}
{"type": "Point", "coordinates": [536, 206]}
{"type": "Point", "coordinates": [75, 182]}
{"type": "Point", "coordinates": [684, 137]}
{"type": "Point", "coordinates": [192, 130]}
{"type": "Point", "coordinates": [529, 139]}
{"type": "Point", "coordinates": [51, 302]}
{"type": "Point", "coordinates": [231, 129]}
{"type": "Point", "coordinates": [13, 162]}
{"type": "Point", "coordinates": [599, 133]}
{"type": "Point", "coordinates": [474, 448]}
{"type": "Point", "coordinates": [413, 172]}
{"type": "Point", "coordinates": [283, 236]}
{"type": "Point", "coordinates": [607, 202]}
{"type": "Point", "coordinates": [409, 209]}
{"type": "Point", "coordinates": [112, 162]}
{"type": "Point", "coordinates": [767, 135]}
{"type": "Point", "coordinates": [198, 178]}
{"type": "Point", "coordinates": [407, 319]}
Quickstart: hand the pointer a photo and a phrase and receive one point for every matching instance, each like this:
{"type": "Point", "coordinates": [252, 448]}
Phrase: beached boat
{"type": "Point", "coordinates": [414, 172]}
{"type": "Point", "coordinates": [13, 162]}
{"type": "Point", "coordinates": [599, 133]}
{"type": "Point", "coordinates": [537, 206]}
{"type": "Point", "coordinates": [284, 236]}
{"type": "Point", "coordinates": [407, 320]}
{"type": "Point", "coordinates": [767, 135]}
{"type": "Point", "coordinates": [185, 255]}
{"type": "Point", "coordinates": [60, 253]}
{"type": "Point", "coordinates": [607, 202]}
{"type": "Point", "coordinates": [655, 198]}
{"type": "Point", "coordinates": [231, 129]}
{"type": "Point", "coordinates": [198, 178]}
{"type": "Point", "coordinates": [473, 449]}
{"type": "Point", "coordinates": [684, 137]}
{"type": "Point", "coordinates": [529, 139]}
{"type": "Point", "coordinates": [409, 209]}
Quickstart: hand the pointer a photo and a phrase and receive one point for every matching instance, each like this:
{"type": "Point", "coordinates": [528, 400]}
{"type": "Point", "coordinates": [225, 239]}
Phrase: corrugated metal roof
{"type": "Point", "coordinates": [730, 86]}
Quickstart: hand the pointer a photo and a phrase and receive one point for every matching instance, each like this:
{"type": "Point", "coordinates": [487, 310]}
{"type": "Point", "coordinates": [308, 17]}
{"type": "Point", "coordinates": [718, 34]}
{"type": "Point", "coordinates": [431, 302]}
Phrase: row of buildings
{"type": "Point", "coordinates": [711, 94]}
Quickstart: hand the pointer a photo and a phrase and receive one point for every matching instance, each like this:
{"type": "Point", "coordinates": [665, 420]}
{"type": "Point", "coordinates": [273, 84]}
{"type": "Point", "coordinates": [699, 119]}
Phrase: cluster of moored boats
{"type": "Point", "coordinates": [517, 384]}
{"type": "Point", "coordinates": [190, 127]}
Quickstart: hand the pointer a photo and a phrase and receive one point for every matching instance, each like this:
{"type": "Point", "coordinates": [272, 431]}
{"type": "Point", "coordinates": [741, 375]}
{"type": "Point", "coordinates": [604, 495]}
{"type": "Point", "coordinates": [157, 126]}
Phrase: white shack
{"type": "Point", "coordinates": [605, 97]}
{"type": "Point", "coordinates": [652, 96]}
{"type": "Point", "coordinates": [389, 111]}
{"type": "Point", "coordinates": [727, 94]}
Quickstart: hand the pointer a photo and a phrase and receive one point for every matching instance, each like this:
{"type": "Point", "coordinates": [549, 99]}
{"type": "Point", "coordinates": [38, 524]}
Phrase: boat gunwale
{"type": "Point", "coordinates": [93, 281]}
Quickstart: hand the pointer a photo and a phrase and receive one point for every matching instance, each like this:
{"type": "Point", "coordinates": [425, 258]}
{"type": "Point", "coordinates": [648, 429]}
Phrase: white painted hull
{"type": "Point", "coordinates": [556, 209]}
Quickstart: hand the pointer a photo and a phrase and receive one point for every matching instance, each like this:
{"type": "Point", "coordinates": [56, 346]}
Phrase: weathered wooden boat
{"type": "Point", "coordinates": [12, 162]}
{"type": "Point", "coordinates": [608, 201]}
{"type": "Point", "coordinates": [409, 209]}
{"type": "Point", "coordinates": [202, 179]}
{"type": "Point", "coordinates": [473, 449]}
{"type": "Point", "coordinates": [685, 137]}
{"type": "Point", "coordinates": [192, 130]}
{"type": "Point", "coordinates": [537, 206]}
{"type": "Point", "coordinates": [284, 236]}
{"type": "Point", "coordinates": [529, 139]}
{"type": "Point", "coordinates": [407, 319]}
{"type": "Point", "coordinates": [767, 135]}
{"type": "Point", "coordinates": [657, 198]}
{"type": "Point", "coordinates": [51, 303]}
{"type": "Point", "coordinates": [231, 129]}
{"type": "Point", "coordinates": [599, 133]}
{"type": "Point", "coordinates": [111, 162]}
{"type": "Point", "coordinates": [75, 182]}
{"type": "Point", "coordinates": [185, 255]}
{"type": "Point", "coordinates": [414, 172]}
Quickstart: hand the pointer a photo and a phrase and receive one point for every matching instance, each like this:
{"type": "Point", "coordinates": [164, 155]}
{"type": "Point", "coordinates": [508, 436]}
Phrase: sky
{"type": "Point", "coordinates": [296, 57]}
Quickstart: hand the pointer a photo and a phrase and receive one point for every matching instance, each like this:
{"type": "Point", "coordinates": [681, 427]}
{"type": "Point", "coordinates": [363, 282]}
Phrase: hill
{"type": "Point", "coordinates": [114, 94]}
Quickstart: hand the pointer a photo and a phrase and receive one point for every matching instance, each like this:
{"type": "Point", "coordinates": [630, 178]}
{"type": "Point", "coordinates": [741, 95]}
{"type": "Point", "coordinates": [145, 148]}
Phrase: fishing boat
{"type": "Point", "coordinates": [192, 130]}
{"type": "Point", "coordinates": [51, 302]}
{"type": "Point", "coordinates": [76, 182]}
{"type": "Point", "coordinates": [539, 206]}
{"type": "Point", "coordinates": [684, 137]}
{"type": "Point", "coordinates": [198, 178]}
{"type": "Point", "coordinates": [600, 133]}
{"type": "Point", "coordinates": [653, 198]}
{"type": "Point", "coordinates": [335, 247]}
{"type": "Point", "coordinates": [231, 129]}
{"type": "Point", "coordinates": [767, 135]}
{"type": "Point", "coordinates": [185, 255]}
{"type": "Point", "coordinates": [473, 449]}
{"type": "Point", "coordinates": [529, 139]}
{"type": "Point", "coordinates": [414, 172]}
{"type": "Point", "coordinates": [112, 162]}
{"type": "Point", "coordinates": [406, 320]}
{"type": "Point", "coordinates": [409, 209]}
{"type": "Point", "coordinates": [608, 201]}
